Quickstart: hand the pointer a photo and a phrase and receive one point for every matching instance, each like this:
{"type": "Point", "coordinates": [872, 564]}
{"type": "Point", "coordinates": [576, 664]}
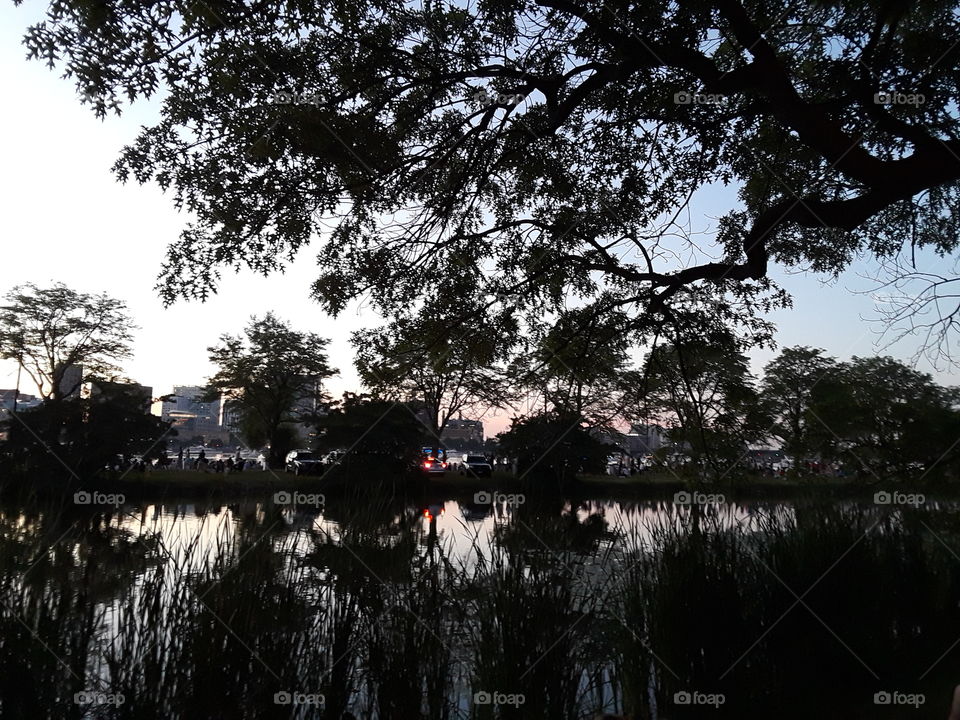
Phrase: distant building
{"type": "Point", "coordinates": [462, 432]}
{"type": "Point", "coordinates": [71, 381]}
{"type": "Point", "coordinates": [642, 439]}
{"type": "Point", "coordinates": [192, 415]}
{"type": "Point", "coordinates": [23, 400]}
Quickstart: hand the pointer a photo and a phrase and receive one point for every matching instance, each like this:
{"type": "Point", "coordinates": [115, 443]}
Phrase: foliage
{"type": "Point", "coordinates": [703, 392]}
{"type": "Point", "coordinates": [553, 445]}
{"type": "Point", "coordinates": [580, 365]}
{"type": "Point", "coordinates": [885, 417]}
{"type": "Point", "coordinates": [417, 359]}
{"type": "Point", "coordinates": [798, 379]}
{"type": "Point", "coordinates": [80, 437]}
{"type": "Point", "coordinates": [372, 429]}
{"type": "Point", "coordinates": [534, 151]}
{"type": "Point", "coordinates": [47, 330]}
{"type": "Point", "coordinates": [271, 377]}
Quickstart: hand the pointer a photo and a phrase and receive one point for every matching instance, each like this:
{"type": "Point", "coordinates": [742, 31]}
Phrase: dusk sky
{"type": "Point", "coordinates": [65, 218]}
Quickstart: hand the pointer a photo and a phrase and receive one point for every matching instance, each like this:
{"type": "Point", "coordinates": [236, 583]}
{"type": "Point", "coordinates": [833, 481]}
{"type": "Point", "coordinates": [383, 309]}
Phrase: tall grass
{"type": "Point", "coordinates": [576, 612]}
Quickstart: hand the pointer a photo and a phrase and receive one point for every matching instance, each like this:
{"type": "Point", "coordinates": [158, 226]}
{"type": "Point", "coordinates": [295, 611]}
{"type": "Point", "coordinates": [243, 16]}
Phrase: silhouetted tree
{"type": "Point", "coordinates": [373, 432]}
{"type": "Point", "coordinates": [885, 417]}
{"type": "Point", "coordinates": [272, 376]}
{"type": "Point", "coordinates": [536, 150]}
{"type": "Point", "coordinates": [48, 330]}
{"type": "Point", "coordinates": [793, 382]}
{"type": "Point", "coordinates": [704, 393]}
{"type": "Point", "coordinates": [579, 365]}
{"type": "Point", "coordinates": [417, 360]}
{"type": "Point", "coordinates": [553, 445]}
{"type": "Point", "coordinates": [78, 439]}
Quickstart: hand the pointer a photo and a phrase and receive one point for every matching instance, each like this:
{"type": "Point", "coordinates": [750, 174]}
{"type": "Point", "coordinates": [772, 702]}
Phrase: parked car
{"type": "Point", "coordinates": [303, 462]}
{"type": "Point", "coordinates": [475, 465]}
{"type": "Point", "coordinates": [433, 468]}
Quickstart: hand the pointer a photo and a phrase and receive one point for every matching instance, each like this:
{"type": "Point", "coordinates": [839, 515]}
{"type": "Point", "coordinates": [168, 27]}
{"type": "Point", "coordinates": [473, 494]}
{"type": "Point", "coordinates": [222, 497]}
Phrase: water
{"type": "Point", "coordinates": [456, 607]}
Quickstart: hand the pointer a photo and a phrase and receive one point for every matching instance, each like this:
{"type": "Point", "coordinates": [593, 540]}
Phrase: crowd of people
{"type": "Point", "coordinates": [223, 463]}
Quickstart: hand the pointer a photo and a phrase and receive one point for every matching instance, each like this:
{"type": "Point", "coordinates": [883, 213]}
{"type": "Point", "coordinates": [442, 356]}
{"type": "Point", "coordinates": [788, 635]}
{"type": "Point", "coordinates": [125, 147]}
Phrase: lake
{"type": "Point", "coordinates": [489, 605]}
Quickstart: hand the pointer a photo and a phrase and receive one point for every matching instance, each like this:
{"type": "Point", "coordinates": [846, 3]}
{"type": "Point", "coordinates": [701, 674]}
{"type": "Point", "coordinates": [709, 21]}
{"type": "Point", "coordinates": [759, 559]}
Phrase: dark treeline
{"type": "Point", "coordinates": [867, 417]}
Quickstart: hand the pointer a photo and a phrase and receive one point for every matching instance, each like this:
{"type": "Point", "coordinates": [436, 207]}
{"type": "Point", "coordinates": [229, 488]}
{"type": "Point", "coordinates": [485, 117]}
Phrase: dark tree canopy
{"type": "Point", "coordinates": [48, 330]}
{"type": "Point", "coordinates": [884, 418]}
{"type": "Point", "coordinates": [533, 150]}
{"type": "Point", "coordinates": [78, 439]}
{"type": "Point", "coordinates": [449, 374]}
{"type": "Point", "coordinates": [795, 382]}
{"type": "Point", "coordinates": [704, 393]}
{"type": "Point", "coordinates": [272, 377]}
{"type": "Point", "coordinates": [579, 365]}
{"type": "Point", "coordinates": [553, 445]}
{"type": "Point", "coordinates": [372, 431]}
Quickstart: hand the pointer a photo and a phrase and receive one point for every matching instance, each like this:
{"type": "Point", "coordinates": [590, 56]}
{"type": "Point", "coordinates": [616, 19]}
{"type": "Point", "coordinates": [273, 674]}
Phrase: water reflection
{"type": "Point", "coordinates": [384, 607]}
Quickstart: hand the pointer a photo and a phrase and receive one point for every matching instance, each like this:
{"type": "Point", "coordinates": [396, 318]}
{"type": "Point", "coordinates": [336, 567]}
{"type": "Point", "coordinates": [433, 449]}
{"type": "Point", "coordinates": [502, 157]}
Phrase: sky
{"type": "Point", "coordinates": [64, 217]}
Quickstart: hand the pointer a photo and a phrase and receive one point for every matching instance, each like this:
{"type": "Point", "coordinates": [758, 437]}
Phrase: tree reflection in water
{"type": "Point", "coordinates": [579, 607]}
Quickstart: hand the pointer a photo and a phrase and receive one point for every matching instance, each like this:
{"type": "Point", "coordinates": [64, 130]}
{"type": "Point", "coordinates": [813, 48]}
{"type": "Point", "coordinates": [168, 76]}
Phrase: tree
{"type": "Point", "coordinates": [272, 377]}
{"type": "Point", "coordinates": [374, 432]}
{"type": "Point", "coordinates": [884, 417]}
{"type": "Point", "coordinates": [49, 330]}
{"type": "Point", "coordinates": [78, 439]}
{"type": "Point", "coordinates": [553, 445]}
{"type": "Point", "coordinates": [704, 393]}
{"type": "Point", "coordinates": [534, 150]}
{"type": "Point", "coordinates": [798, 379]}
{"type": "Point", "coordinates": [417, 360]}
{"type": "Point", "coordinates": [580, 365]}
